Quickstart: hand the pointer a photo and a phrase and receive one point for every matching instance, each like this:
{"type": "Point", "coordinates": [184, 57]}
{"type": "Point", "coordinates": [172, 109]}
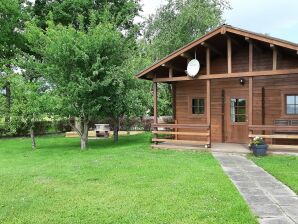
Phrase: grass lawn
{"type": "Point", "coordinates": [123, 183]}
{"type": "Point", "coordinates": [284, 168]}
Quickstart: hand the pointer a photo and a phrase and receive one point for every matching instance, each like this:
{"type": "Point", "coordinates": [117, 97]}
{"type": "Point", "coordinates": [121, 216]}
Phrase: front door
{"type": "Point", "coordinates": [236, 118]}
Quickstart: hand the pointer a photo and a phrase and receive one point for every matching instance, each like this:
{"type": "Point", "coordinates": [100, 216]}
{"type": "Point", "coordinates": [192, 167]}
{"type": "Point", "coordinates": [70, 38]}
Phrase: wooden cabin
{"type": "Point", "coordinates": [247, 86]}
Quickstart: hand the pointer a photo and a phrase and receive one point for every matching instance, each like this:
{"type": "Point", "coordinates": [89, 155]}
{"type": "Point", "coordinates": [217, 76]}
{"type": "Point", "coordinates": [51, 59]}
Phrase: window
{"type": "Point", "coordinates": [198, 106]}
{"type": "Point", "coordinates": [238, 110]}
{"type": "Point", "coordinates": [292, 104]}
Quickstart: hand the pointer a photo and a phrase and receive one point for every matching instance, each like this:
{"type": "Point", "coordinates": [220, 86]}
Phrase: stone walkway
{"type": "Point", "coordinates": [269, 199]}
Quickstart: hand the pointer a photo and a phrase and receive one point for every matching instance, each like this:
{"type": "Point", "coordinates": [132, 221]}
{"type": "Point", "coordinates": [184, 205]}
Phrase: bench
{"type": "Point", "coordinates": [282, 129]}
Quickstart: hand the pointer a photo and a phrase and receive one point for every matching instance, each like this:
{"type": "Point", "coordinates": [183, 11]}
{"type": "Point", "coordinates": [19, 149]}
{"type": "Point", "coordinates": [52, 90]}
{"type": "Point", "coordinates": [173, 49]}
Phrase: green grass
{"type": "Point", "coordinates": [284, 168]}
{"type": "Point", "coordinates": [124, 183]}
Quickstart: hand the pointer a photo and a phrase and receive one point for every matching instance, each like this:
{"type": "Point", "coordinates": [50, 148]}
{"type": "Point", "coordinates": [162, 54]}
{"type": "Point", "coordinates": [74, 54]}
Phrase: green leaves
{"type": "Point", "coordinates": [85, 13]}
{"type": "Point", "coordinates": [180, 22]}
{"type": "Point", "coordinates": [30, 101]}
{"type": "Point", "coordinates": [78, 63]}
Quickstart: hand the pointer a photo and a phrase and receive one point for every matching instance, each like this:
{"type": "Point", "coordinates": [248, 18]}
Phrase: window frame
{"type": "Point", "coordinates": [295, 104]}
{"type": "Point", "coordinates": [284, 95]}
{"type": "Point", "coordinates": [230, 111]}
{"type": "Point", "coordinates": [190, 105]}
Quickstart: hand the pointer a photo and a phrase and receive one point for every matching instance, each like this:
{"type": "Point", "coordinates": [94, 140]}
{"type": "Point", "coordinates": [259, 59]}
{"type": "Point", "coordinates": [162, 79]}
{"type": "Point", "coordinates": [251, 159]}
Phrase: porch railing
{"type": "Point", "coordinates": [172, 130]}
{"type": "Point", "coordinates": [275, 132]}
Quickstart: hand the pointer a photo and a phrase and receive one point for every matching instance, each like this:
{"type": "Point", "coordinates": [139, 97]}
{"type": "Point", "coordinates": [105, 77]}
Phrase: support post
{"type": "Point", "coordinates": [207, 61]}
{"type": "Point", "coordinates": [229, 55]}
{"type": "Point", "coordinates": [223, 115]}
{"type": "Point", "coordinates": [263, 107]}
{"type": "Point", "coordinates": [250, 61]}
{"type": "Point", "coordinates": [250, 102]}
{"type": "Point", "coordinates": [208, 94]}
{"type": "Point", "coordinates": [250, 90]}
{"type": "Point", "coordinates": [155, 121]}
{"type": "Point", "coordinates": [170, 72]}
{"type": "Point", "coordinates": [174, 105]}
{"type": "Point", "coordinates": [174, 100]}
{"type": "Point", "coordinates": [274, 67]}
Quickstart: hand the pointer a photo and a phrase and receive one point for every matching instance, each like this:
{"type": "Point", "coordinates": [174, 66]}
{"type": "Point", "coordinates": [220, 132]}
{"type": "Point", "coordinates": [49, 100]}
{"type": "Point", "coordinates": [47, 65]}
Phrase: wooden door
{"type": "Point", "coordinates": [236, 109]}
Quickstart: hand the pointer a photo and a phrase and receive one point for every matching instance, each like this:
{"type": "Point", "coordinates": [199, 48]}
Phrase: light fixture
{"type": "Point", "coordinates": [242, 81]}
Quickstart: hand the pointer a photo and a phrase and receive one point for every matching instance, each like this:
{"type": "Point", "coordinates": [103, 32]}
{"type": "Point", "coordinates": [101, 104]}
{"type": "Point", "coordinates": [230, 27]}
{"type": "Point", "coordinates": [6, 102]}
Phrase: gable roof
{"type": "Point", "coordinates": [220, 30]}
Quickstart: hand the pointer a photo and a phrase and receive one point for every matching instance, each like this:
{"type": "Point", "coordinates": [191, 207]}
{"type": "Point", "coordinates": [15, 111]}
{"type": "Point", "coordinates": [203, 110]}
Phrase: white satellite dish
{"type": "Point", "coordinates": [193, 68]}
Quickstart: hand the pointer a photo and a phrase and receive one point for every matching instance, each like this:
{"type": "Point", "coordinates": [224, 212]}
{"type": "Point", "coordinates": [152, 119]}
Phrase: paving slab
{"type": "Point", "coordinates": [280, 220]}
{"type": "Point", "coordinates": [286, 200]}
{"type": "Point", "coordinates": [269, 199]}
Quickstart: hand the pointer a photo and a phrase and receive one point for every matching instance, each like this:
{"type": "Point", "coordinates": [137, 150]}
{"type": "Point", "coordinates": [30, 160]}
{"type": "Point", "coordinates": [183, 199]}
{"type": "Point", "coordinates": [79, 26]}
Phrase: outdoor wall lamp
{"type": "Point", "coordinates": [242, 81]}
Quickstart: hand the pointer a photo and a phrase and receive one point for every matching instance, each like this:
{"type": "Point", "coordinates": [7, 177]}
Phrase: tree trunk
{"type": "Point", "coordinates": [78, 123]}
{"type": "Point", "coordinates": [84, 135]}
{"type": "Point", "coordinates": [8, 102]}
{"type": "Point", "coordinates": [32, 135]}
{"type": "Point", "coordinates": [116, 130]}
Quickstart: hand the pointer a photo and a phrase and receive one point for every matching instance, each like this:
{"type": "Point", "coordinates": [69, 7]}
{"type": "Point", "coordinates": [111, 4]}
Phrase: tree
{"type": "Point", "coordinates": [180, 22]}
{"type": "Point", "coordinates": [11, 20]}
{"type": "Point", "coordinates": [11, 41]}
{"type": "Point", "coordinates": [31, 103]}
{"type": "Point", "coordinates": [66, 12]}
{"type": "Point", "coordinates": [128, 96]}
{"type": "Point", "coordinates": [76, 63]}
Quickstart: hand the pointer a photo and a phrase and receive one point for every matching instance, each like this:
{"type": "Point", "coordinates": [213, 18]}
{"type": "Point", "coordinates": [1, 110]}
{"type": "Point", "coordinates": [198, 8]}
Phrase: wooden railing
{"type": "Point", "coordinates": [275, 128]}
{"type": "Point", "coordinates": [275, 132]}
{"type": "Point", "coordinates": [172, 130]}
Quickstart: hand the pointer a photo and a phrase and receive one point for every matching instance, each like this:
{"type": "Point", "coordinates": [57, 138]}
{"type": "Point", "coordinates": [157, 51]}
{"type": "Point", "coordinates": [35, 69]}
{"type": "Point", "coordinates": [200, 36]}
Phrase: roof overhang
{"type": "Point", "coordinates": [222, 30]}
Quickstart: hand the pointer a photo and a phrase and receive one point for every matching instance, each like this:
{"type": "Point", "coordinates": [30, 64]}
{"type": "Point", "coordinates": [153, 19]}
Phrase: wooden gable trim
{"type": "Point", "coordinates": [220, 30]}
{"type": "Point", "coordinates": [263, 38]}
{"type": "Point", "coordinates": [180, 51]}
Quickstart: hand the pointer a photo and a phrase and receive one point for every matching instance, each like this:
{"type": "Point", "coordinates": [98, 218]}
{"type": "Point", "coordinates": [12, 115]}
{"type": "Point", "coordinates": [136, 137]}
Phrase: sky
{"type": "Point", "coordinates": [278, 18]}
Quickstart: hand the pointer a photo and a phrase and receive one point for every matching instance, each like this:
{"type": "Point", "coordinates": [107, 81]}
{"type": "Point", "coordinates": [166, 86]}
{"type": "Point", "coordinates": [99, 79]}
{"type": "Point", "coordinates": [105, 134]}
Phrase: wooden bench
{"type": "Point", "coordinates": [275, 136]}
{"type": "Point", "coordinates": [170, 133]}
{"type": "Point", "coordinates": [282, 129]}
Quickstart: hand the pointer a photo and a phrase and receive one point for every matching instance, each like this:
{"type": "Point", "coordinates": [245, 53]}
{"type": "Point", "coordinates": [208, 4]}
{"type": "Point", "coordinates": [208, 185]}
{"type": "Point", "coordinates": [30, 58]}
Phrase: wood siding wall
{"type": "Point", "coordinates": [274, 88]}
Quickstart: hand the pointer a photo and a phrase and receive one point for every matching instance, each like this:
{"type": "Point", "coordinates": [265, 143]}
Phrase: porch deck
{"type": "Point", "coordinates": [226, 148]}
{"type": "Point", "coordinates": [171, 132]}
{"type": "Point", "coordinates": [216, 147]}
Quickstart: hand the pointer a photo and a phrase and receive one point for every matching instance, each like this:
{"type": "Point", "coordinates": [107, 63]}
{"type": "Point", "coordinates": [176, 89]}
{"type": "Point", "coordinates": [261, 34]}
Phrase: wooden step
{"type": "Point", "coordinates": [180, 141]}
{"type": "Point", "coordinates": [180, 133]}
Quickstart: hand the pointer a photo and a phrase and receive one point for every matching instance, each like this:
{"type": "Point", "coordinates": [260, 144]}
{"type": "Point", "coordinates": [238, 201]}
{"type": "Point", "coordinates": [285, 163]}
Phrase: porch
{"type": "Point", "coordinates": [226, 148]}
{"type": "Point", "coordinates": [222, 122]}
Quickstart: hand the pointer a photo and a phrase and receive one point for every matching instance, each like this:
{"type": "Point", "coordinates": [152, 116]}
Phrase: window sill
{"type": "Point", "coordinates": [197, 115]}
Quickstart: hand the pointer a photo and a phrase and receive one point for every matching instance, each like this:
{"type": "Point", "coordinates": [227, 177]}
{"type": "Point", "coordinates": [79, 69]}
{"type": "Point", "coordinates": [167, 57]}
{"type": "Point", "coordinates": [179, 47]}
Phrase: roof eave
{"type": "Point", "coordinates": [221, 29]}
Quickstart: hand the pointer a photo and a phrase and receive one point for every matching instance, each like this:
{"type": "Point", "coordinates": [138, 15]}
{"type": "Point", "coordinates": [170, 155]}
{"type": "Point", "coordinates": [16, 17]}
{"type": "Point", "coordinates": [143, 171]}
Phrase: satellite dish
{"type": "Point", "coordinates": [193, 68]}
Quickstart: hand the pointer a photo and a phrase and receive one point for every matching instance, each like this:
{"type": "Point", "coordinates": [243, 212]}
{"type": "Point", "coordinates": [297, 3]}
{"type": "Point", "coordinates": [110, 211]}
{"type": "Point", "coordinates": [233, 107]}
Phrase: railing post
{"type": "Point", "coordinates": [176, 136]}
